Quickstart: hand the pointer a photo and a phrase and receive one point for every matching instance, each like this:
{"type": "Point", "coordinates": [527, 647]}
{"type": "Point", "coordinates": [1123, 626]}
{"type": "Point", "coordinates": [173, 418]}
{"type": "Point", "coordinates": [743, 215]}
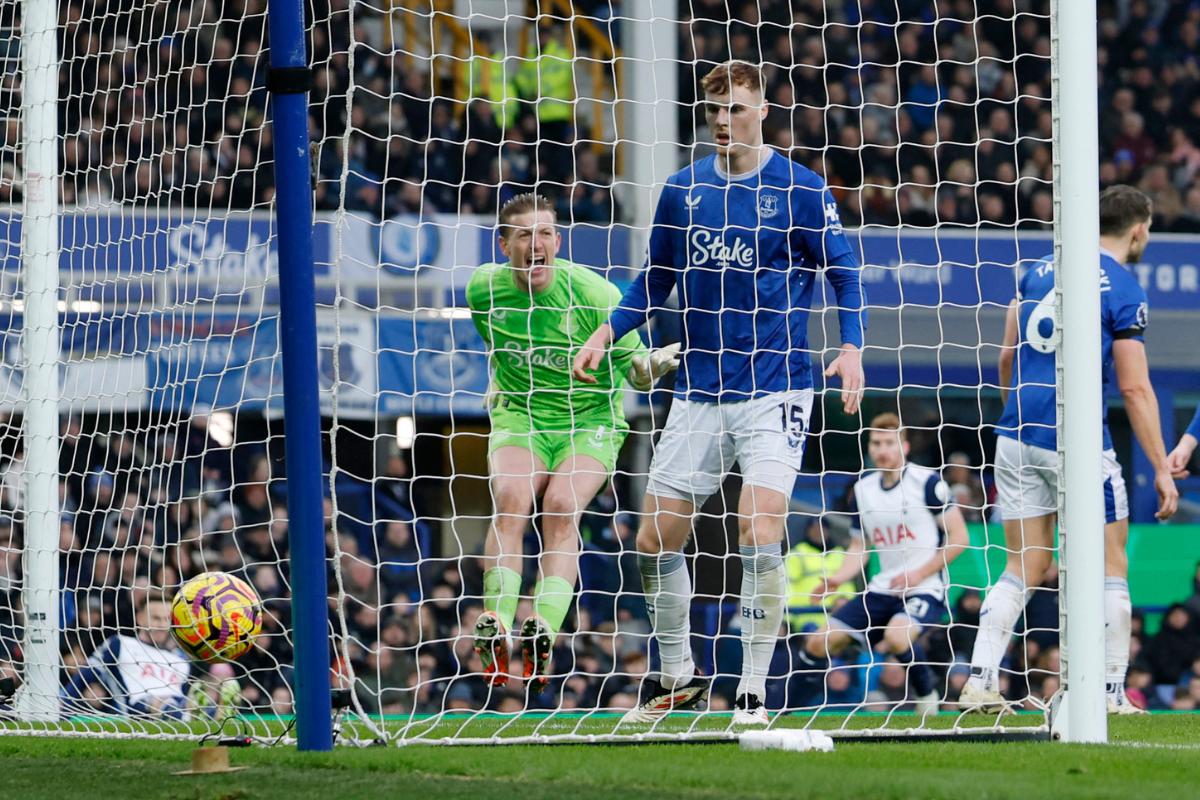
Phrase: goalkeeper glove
{"type": "Point", "coordinates": [645, 369]}
{"type": "Point", "coordinates": [491, 398]}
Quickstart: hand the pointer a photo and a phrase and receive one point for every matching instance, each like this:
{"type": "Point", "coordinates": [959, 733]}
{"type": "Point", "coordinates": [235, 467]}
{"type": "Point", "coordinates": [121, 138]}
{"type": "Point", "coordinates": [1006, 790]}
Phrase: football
{"type": "Point", "coordinates": [216, 617]}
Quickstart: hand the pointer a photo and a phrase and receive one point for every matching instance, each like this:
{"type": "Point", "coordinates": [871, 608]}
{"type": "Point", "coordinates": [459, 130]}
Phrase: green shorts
{"type": "Point", "coordinates": [598, 437]}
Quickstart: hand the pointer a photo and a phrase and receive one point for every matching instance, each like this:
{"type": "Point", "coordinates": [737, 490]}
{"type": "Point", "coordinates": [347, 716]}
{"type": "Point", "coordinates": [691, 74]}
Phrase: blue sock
{"type": "Point", "coordinates": [920, 674]}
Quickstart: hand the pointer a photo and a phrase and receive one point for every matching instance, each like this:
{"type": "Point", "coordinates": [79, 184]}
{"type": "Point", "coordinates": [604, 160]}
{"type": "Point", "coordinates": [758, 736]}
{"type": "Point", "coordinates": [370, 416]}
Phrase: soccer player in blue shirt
{"type": "Point", "coordinates": [1027, 446]}
{"type": "Point", "coordinates": [743, 236]}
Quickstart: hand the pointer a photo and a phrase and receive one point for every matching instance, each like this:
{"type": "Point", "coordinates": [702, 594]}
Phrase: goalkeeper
{"type": "Point", "coordinates": [551, 437]}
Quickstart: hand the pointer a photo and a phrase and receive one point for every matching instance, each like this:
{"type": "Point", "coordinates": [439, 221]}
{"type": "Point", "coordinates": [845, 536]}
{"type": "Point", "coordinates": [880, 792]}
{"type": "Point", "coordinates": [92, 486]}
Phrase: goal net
{"type": "Point", "coordinates": [931, 124]}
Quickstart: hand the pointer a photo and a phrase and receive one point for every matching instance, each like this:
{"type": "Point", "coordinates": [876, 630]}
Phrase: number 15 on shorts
{"type": "Point", "coordinates": [792, 423]}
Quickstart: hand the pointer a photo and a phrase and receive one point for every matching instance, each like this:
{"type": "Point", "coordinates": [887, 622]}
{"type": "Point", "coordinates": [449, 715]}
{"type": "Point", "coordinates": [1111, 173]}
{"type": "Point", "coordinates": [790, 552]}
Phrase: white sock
{"type": "Point", "coordinates": [1117, 613]}
{"type": "Point", "coordinates": [764, 591]}
{"type": "Point", "coordinates": [668, 591]}
{"type": "Point", "coordinates": [1001, 608]}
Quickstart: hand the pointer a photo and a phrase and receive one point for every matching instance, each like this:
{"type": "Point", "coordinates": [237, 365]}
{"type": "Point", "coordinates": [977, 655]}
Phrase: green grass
{"type": "Point", "coordinates": [1157, 757]}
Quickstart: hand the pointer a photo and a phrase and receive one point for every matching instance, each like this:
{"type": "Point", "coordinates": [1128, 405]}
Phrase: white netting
{"type": "Point", "coordinates": [929, 121]}
{"type": "Point", "coordinates": [168, 357]}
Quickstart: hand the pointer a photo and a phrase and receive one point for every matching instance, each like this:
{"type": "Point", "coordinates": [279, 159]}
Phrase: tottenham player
{"type": "Point", "coordinates": [904, 513]}
{"type": "Point", "coordinates": [145, 674]}
{"type": "Point", "coordinates": [743, 236]}
{"type": "Point", "coordinates": [1027, 446]}
{"type": "Point", "coordinates": [550, 437]}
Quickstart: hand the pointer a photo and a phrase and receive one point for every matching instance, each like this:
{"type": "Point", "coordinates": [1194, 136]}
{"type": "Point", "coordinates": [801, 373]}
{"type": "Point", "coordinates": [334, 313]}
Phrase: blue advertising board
{"type": "Point", "coordinates": [431, 366]}
{"type": "Point", "coordinates": [386, 362]}
{"type": "Point", "coordinates": [215, 362]}
{"type": "Point", "coordinates": [911, 266]}
{"type": "Point", "coordinates": [213, 256]}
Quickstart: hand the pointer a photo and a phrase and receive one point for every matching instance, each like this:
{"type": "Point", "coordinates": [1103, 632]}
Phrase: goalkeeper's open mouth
{"type": "Point", "coordinates": [536, 266]}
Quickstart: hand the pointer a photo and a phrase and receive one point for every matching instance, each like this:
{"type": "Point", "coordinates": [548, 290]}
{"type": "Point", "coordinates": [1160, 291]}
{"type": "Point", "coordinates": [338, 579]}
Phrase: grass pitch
{"type": "Point", "coordinates": [1156, 756]}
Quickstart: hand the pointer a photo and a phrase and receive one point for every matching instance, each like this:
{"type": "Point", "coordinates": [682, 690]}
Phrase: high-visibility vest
{"type": "Point", "coordinates": [548, 77]}
{"type": "Point", "coordinates": [807, 565]}
{"type": "Point", "coordinates": [489, 81]}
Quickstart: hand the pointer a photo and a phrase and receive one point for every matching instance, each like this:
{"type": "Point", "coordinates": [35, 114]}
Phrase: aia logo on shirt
{"type": "Point", "coordinates": [887, 536]}
{"type": "Point", "coordinates": [160, 673]}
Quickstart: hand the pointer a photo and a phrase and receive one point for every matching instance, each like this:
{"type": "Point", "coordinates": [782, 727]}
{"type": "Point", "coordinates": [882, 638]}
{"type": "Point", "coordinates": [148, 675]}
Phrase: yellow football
{"type": "Point", "coordinates": [216, 617]}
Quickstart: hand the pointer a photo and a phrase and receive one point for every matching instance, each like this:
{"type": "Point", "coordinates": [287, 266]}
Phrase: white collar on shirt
{"type": "Point", "coordinates": [741, 176]}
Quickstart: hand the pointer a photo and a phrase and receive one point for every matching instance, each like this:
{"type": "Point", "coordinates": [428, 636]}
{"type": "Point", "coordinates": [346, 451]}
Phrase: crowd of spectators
{"type": "Point", "coordinates": [151, 504]}
{"type": "Point", "coordinates": [141, 509]}
{"type": "Point", "coordinates": [145, 506]}
{"type": "Point", "coordinates": [930, 113]}
{"type": "Point", "coordinates": [166, 105]}
{"type": "Point", "coordinates": [919, 112]}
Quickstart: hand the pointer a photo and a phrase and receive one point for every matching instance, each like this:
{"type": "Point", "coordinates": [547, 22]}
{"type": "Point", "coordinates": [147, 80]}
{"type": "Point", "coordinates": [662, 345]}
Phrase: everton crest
{"type": "Point", "coordinates": [768, 205]}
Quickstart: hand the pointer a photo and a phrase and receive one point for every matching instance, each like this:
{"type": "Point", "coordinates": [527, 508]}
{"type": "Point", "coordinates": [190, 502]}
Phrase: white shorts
{"type": "Point", "coordinates": [701, 442]}
{"type": "Point", "coordinates": [1027, 482]}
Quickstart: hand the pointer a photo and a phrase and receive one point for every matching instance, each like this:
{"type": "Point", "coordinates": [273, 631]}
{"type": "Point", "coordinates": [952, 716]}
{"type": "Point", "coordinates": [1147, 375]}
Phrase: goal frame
{"type": "Point", "coordinates": [1078, 717]}
{"type": "Point", "coordinates": [1081, 713]}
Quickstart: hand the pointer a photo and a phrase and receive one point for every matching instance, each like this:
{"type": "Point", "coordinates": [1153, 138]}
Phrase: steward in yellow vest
{"type": "Point", "coordinates": [489, 81]}
{"type": "Point", "coordinates": [547, 77]}
{"type": "Point", "coordinates": [808, 564]}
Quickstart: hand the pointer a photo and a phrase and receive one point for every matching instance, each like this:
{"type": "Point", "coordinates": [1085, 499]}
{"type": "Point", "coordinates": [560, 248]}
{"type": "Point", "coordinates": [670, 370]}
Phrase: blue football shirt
{"type": "Point", "coordinates": [744, 253]}
{"type": "Point", "coordinates": [1030, 413]}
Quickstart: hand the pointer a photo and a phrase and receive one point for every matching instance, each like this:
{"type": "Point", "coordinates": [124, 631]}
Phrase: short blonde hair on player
{"type": "Point", "coordinates": [523, 204]}
{"type": "Point", "coordinates": [721, 78]}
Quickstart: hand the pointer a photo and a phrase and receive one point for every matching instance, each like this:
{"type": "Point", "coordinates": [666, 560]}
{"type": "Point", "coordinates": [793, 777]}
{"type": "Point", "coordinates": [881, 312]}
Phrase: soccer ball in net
{"type": "Point", "coordinates": [216, 617]}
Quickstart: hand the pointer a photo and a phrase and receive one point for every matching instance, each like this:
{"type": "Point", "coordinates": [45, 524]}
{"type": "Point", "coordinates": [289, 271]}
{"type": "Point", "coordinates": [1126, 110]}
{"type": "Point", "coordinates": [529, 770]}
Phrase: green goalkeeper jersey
{"type": "Point", "coordinates": [533, 339]}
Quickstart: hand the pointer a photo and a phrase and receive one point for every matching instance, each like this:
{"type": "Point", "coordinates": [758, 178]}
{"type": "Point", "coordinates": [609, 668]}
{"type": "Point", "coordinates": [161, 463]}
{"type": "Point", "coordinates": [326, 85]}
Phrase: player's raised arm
{"type": "Point", "coordinates": [1133, 379]}
{"type": "Point", "coordinates": [640, 365]}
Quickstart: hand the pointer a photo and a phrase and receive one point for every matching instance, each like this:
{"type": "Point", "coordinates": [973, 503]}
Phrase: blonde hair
{"type": "Point", "coordinates": [523, 204]}
{"type": "Point", "coordinates": [721, 78]}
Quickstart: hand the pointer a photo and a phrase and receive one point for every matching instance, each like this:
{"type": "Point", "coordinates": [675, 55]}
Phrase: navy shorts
{"type": "Point", "coordinates": [866, 615]}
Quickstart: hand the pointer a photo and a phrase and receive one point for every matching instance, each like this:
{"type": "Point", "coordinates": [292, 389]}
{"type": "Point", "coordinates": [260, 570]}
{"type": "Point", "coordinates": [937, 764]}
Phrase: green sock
{"type": "Point", "coordinates": [501, 590]}
{"type": "Point", "coordinates": [552, 600]}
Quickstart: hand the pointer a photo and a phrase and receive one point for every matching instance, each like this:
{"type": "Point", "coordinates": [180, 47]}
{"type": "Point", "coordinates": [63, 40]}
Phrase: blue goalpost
{"type": "Point", "coordinates": [289, 84]}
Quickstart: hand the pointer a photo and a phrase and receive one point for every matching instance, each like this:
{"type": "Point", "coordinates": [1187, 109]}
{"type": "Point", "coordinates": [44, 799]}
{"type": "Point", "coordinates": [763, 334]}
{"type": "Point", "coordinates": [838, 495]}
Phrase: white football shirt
{"type": "Point", "coordinates": [135, 672]}
{"type": "Point", "coordinates": [901, 523]}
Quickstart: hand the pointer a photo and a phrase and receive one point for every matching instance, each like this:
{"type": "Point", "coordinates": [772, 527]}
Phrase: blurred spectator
{"type": "Point", "coordinates": [1193, 602]}
{"type": "Point", "coordinates": [399, 559]}
{"type": "Point", "coordinates": [808, 564]}
{"type": "Point", "coordinates": [1133, 142]}
{"type": "Point", "coordinates": [591, 196]}
{"type": "Point", "coordinates": [496, 107]}
{"type": "Point", "coordinates": [546, 83]}
{"type": "Point", "coordinates": [1176, 645]}
{"type": "Point", "coordinates": [965, 486]}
